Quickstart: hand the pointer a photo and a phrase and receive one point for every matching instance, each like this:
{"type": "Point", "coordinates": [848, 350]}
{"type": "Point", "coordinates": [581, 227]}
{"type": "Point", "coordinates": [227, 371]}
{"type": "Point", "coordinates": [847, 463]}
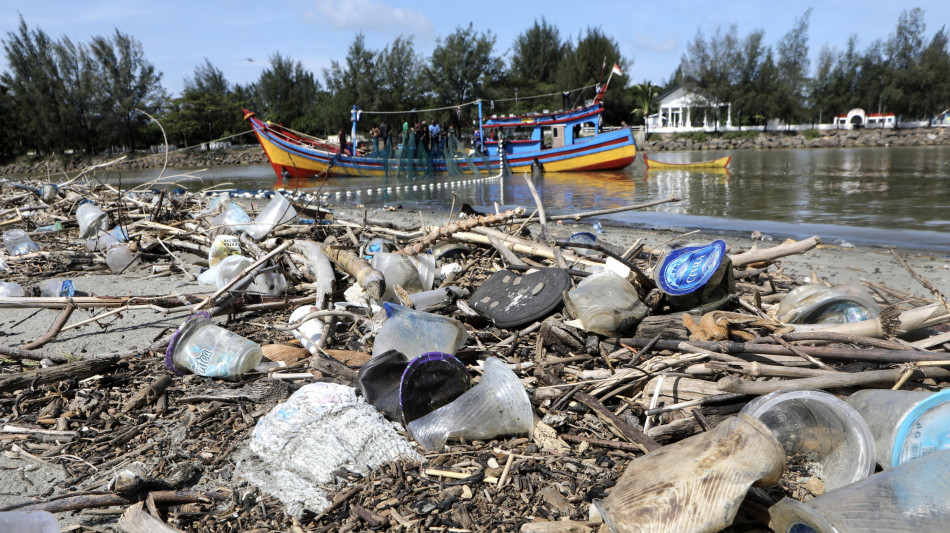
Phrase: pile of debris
{"type": "Point", "coordinates": [482, 375]}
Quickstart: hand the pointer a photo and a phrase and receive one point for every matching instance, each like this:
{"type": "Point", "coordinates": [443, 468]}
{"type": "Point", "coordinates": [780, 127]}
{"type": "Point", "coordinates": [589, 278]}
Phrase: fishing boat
{"type": "Point", "coordinates": [653, 164]}
{"type": "Point", "coordinates": [561, 141]}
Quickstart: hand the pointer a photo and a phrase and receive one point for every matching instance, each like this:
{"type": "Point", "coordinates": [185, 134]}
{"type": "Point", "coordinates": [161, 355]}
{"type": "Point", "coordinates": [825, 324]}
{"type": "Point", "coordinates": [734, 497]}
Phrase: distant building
{"type": "Point", "coordinates": [682, 110]}
{"type": "Point", "coordinates": [857, 118]}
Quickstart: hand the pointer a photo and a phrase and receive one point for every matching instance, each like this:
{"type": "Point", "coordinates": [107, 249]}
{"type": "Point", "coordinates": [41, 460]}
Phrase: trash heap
{"type": "Point", "coordinates": [493, 373]}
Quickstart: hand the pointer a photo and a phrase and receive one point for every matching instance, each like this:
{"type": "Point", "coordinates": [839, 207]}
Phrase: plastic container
{"type": "Point", "coordinates": [412, 273]}
{"type": "Point", "coordinates": [58, 289]}
{"type": "Point", "coordinates": [221, 247]}
{"type": "Point", "coordinates": [696, 484]}
{"type": "Point", "coordinates": [911, 498]}
{"type": "Point", "coordinates": [817, 304]}
{"type": "Point", "coordinates": [29, 522]}
{"type": "Point", "coordinates": [233, 219]}
{"type": "Point", "coordinates": [18, 242]}
{"type": "Point", "coordinates": [91, 220]}
{"type": "Point", "coordinates": [430, 382]}
{"type": "Point", "coordinates": [823, 428]}
{"type": "Point", "coordinates": [11, 290]}
{"type": "Point", "coordinates": [271, 283]}
{"type": "Point", "coordinates": [497, 406]}
{"type": "Point", "coordinates": [606, 304]}
{"type": "Point", "coordinates": [379, 380]}
{"type": "Point", "coordinates": [205, 349]}
{"type": "Point", "coordinates": [696, 278]}
{"type": "Point", "coordinates": [924, 429]}
{"type": "Point", "coordinates": [414, 333]}
{"type": "Point", "coordinates": [278, 211]}
{"type": "Point", "coordinates": [3, 265]}
{"type": "Point", "coordinates": [309, 332]}
{"type": "Point", "coordinates": [883, 409]}
{"type": "Point", "coordinates": [101, 242]}
{"type": "Point", "coordinates": [119, 257]}
{"type": "Point", "coordinates": [376, 246]}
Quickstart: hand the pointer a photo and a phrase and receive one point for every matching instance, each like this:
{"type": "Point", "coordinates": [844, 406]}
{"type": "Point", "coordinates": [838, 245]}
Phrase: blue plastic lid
{"type": "Point", "coordinates": [686, 269]}
{"type": "Point", "coordinates": [923, 430]}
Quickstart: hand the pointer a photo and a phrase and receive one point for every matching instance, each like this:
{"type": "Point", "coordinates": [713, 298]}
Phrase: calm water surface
{"type": "Point", "coordinates": [877, 196]}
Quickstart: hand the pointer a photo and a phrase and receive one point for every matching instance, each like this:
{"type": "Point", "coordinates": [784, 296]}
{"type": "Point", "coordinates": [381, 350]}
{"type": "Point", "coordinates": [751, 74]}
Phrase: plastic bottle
{"type": "Point", "coordinates": [91, 220]}
{"type": "Point", "coordinates": [278, 211]}
{"type": "Point", "coordinates": [309, 332]}
{"type": "Point", "coordinates": [234, 219]}
{"type": "Point", "coordinates": [119, 257]}
{"type": "Point", "coordinates": [60, 289]}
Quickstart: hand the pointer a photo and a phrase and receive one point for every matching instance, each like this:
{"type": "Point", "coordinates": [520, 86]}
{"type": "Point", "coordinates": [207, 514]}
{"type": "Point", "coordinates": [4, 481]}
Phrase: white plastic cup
{"type": "Point", "coordinates": [819, 424]}
{"type": "Point", "coordinates": [278, 211]}
{"type": "Point", "coordinates": [405, 271]}
{"type": "Point", "coordinates": [309, 332]}
{"type": "Point", "coordinates": [29, 522]}
{"type": "Point", "coordinates": [234, 218]}
{"type": "Point", "coordinates": [498, 405]}
{"type": "Point", "coordinates": [102, 242]}
{"type": "Point", "coordinates": [205, 349]}
{"type": "Point", "coordinates": [414, 333]}
{"type": "Point", "coordinates": [18, 242]}
{"type": "Point", "coordinates": [607, 304]}
{"type": "Point", "coordinates": [91, 220]}
{"type": "Point", "coordinates": [11, 290]}
{"type": "Point", "coordinates": [119, 257]}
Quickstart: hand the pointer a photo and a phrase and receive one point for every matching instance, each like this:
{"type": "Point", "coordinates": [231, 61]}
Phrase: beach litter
{"type": "Point", "coordinates": [497, 372]}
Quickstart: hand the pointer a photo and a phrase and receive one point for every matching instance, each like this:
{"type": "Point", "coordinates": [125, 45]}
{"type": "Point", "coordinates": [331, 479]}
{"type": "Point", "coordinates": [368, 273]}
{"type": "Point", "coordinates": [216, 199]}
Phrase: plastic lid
{"type": "Point", "coordinates": [186, 325]}
{"type": "Point", "coordinates": [430, 381]}
{"type": "Point", "coordinates": [923, 429]}
{"type": "Point", "coordinates": [686, 269]}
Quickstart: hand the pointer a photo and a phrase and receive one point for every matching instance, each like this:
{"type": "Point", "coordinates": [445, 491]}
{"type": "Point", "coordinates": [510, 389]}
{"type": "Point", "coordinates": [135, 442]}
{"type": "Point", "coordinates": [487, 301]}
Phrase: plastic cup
{"type": "Point", "coordinates": [278, 211]}
{"type": "Point", "coordinates": [101, 242]}
{"type": "Point", "coordinates": [822, 427]}
{"type": "Point", "coordinates": [29, 522]}
{"type": "Point", "coordinates": [414, 333]}
{"type": "Point", "coordinates": [205, 349]}
{"type": "Point", "coordinates": [606, 304]}
{"type": "Point", "coordinates": [119, 257]}
{"type": "Point", "coordinates": [48, 192]}
{"type": "Point", "coordinates": [309, 332]}
{"type": "Point", "coordinates": [430, 382]}
{"type": "Point", "coordinates": [11, 290]}
{"type": "Point", "coordinates": [497, 406]}
{"type": "Point", "coordinates": [817, 304]}
{"type": "Point", "coordinates": [18, 242]}
{"type": "Point", "coordinates": [91, 220]}
{"type": "Point", "coordinates": [911, 498]}
{"type": "Point", "coordinates": [883, 410]}
{"type": "Point", "coordinates": [398, 269]}
{"type": "Point", "coordinates": [696, 484]}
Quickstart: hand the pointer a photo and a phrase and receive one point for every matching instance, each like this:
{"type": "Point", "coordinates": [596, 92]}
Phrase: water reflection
{"type": "Point", "coordinates": [890, 196]}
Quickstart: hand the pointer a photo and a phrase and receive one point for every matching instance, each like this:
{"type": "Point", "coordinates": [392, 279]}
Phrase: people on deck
{"type": "Point", "coordinates": [435, 139]}
{"type": "Point", "coordinates": [383, 134]}
{"type": "Point", "coordinates": [341, 139]}
{"type": "Point", "coordinates": [477, 141]}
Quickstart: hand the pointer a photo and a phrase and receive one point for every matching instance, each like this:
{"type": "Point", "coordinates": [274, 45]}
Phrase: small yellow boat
{"type": "Point", "coordinates": [652, 164]}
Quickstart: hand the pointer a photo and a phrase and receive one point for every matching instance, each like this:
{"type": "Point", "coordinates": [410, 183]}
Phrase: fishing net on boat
{"type": "Point", "coordinates": [423, 161]}
{"type": "Point", "coordinates": [453, 151]}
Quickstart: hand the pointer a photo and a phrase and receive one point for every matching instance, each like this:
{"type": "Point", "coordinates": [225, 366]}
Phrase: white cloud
{"type": "Point", "coordinates": [661, 45]}
{"type": "Point", "coordinates": [363, 15]}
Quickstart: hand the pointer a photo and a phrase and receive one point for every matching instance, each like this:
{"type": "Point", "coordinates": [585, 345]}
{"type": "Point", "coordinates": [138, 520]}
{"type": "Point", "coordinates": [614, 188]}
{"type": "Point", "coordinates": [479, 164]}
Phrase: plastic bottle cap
{"type": "Point", "coordinates": [923, 430]}
{"type": "Point", "coordinates": [686, 269]}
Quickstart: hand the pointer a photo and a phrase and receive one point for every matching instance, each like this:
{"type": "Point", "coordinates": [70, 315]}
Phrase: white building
{"type": "Point", "coordinates": [681, 110]}
{"type": "Point", "coordinates": [857, 118]}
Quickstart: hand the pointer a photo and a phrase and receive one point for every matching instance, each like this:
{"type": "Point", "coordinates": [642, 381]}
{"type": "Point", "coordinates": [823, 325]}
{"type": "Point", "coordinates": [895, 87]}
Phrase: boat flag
{"type": "Point", "coordinates": [616, 70]}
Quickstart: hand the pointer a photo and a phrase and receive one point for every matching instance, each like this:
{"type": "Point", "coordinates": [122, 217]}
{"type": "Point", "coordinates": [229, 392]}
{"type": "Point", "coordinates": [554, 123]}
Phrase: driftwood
{"type": "Point", "coordinates": [776, 252]}
{"type": "Point", "coordinates": [466, 224]}
{"type": "Point", "coordinates": [136, 520]}
{"type": "Point", "coordinates": [830, 380]}
{"type": "Point", "coordinates": [42, 376]}
{"type": "Point", "coordinates": [350, 262]}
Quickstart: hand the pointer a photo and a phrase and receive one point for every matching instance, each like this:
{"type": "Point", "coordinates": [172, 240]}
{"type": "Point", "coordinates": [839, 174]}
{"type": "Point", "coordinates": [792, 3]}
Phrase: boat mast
{"type": "Point", "coordinates": [354, 117]}
{"type": "Point", "coordinates": [481, 134]}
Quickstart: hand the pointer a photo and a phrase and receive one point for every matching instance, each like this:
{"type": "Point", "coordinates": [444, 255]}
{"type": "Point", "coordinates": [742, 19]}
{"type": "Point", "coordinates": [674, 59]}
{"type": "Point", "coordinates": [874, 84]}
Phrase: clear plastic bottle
{"type": "Point", "coordinates": [606, 304]}
{"type": "Point", "coordinates": [18, 242]}
{"type": "Point", "coordinates": [414, 333]}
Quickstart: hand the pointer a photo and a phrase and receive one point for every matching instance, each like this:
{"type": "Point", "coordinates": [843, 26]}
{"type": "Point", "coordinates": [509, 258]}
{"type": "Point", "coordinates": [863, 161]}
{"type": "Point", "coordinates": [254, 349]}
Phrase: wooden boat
{"type": "Point", "coordinates": [652, 164]}
{"type": "Point", "coordinates": [552, 140]}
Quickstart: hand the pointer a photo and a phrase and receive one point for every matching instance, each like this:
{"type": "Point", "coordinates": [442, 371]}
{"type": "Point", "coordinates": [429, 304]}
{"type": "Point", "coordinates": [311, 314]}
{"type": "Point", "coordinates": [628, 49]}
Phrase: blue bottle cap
{"type": "Point", "coordinates": [686, 269]}
{"type": "Point", "coordinates": [923, 429]}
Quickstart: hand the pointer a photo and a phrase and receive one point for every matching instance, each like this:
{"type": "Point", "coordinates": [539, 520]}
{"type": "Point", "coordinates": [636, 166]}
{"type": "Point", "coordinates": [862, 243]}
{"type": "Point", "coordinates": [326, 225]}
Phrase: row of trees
{"type": "Point", "coordinates": [900, 75]}
{"type": "Point", "coordinates": [100, 95]}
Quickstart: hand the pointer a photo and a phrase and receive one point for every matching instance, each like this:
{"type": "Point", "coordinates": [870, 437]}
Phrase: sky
{"type": "Point", "coordinates": [239, 36]}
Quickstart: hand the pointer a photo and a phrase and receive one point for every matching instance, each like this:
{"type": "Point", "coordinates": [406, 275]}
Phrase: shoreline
{"type": "Point", "coordinates": [252, 154]}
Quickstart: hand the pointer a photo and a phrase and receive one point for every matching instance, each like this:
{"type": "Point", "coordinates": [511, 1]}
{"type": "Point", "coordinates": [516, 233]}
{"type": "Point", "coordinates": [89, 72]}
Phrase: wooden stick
{"type": "Point", "coordinates": [466, 224]}
{"type": "Point", "coordinates": [239, 277]}
{"type": "Point", "coordinates": [927, 285]}
{"type": "Point", "coordinates": [350, 262]}
{"type": "Point", "coordinates": [537, 202]}
{"type": "Point", "coordinates": [41, 376]}
{"type": "Point", "coordinates": [769, 254]}
{"type": "Point", "coordinates": [53, 330]}
{"type": "Point", "coordinates": [20, 353]}
{"type": "Point", "coordinates": [586, 214]}
{"type": "Point", "coordinates": [840, 379]}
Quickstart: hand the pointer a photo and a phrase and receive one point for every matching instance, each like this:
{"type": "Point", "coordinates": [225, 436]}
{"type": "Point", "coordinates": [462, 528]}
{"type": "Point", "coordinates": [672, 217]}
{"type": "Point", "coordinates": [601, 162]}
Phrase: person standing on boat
{"type": "Point", "coordinates": [341, 138]}
{"type": "Point", "coordinates": [477, 141]}
{"type": "Point", "coordinates": [383, 133]}
{"type": "Point", "coordinates": [434, 132]}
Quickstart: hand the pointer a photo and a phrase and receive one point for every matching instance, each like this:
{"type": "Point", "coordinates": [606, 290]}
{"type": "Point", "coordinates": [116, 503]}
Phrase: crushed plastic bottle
{"type": "Point", "coordinates": [11, 290]}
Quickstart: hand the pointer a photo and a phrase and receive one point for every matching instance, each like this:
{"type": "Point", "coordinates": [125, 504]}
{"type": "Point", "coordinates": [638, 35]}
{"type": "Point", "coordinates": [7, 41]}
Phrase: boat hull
{"type": "Point", "coordinates": [611, 150]}
{"type": "Point", "coordinates": [722, 162]}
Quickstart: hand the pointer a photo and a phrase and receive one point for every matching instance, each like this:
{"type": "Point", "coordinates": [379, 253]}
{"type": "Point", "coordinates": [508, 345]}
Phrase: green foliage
{"type": "Point", "coordinates": [811, 134]}
{"type": "Point", "coordinates": [646, 99]}
{"type": "Point", "coordinates": [463, 67]}
{"type": "Point", "coordinates": [740, 135]}
{"type": "Point", "coordinates": [695, 136]}
{"type": "Point", "coordinates": [579, 69]}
